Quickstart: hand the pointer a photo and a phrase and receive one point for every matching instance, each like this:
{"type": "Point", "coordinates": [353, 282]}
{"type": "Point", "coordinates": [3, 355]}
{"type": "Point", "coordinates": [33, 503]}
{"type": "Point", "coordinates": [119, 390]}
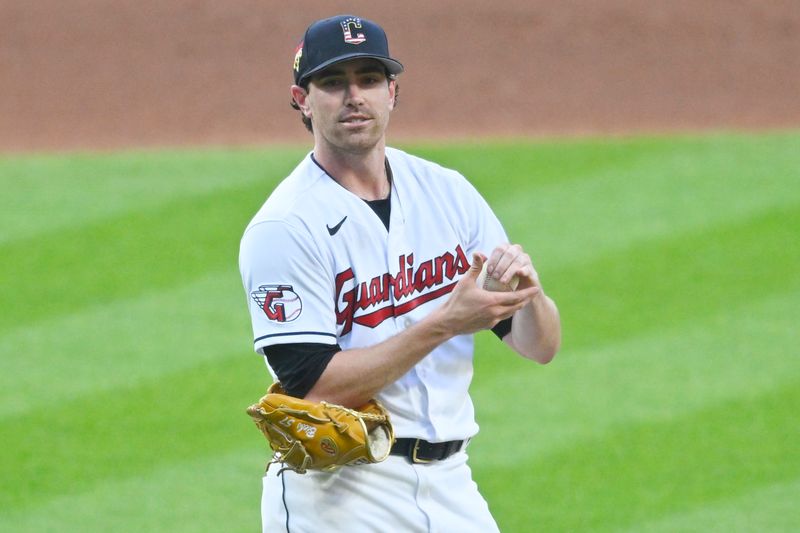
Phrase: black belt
{"type": "Point", "coordinates": [421, 451]}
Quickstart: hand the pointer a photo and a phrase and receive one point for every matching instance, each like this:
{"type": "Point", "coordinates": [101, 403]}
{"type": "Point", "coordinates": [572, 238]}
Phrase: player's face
{"type": "Point", "coordinates": [349, 105]}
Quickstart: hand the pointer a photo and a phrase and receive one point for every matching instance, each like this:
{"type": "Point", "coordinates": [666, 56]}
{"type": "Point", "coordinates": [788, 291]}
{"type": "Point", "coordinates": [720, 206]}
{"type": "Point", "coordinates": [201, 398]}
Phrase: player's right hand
{"type": "Point", "coordinates": [470, 308]}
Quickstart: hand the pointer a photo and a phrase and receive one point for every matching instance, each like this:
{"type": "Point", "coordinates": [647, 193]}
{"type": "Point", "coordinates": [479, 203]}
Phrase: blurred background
{"type": "Point", "coordinates": [107, 74]}
{"type": "Point", "coordinates": [646, 154]}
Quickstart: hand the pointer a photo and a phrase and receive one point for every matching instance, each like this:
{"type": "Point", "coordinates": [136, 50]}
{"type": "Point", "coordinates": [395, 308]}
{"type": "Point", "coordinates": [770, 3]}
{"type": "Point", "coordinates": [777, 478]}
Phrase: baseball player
{"type": "Point", "coordinates": [360, 272]}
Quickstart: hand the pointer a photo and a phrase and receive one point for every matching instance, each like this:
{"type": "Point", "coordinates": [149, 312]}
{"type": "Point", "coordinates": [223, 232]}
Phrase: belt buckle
{"type": "Point", "coordinates": [415, 459]}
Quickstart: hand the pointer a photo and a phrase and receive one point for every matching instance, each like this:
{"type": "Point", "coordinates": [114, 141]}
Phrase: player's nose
{"type": "Point", "coordinates": [354, 93]}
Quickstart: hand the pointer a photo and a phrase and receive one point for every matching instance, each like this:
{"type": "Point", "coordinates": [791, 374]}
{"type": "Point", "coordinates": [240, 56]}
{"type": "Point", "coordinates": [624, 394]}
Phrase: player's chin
{"type": "Point", "coordinates": [360, 140]}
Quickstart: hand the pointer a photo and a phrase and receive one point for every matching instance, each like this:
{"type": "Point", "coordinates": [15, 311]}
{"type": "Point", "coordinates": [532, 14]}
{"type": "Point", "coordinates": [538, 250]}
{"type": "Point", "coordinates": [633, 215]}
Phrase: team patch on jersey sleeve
{"type": "Point", "coordinates": [279, 302]}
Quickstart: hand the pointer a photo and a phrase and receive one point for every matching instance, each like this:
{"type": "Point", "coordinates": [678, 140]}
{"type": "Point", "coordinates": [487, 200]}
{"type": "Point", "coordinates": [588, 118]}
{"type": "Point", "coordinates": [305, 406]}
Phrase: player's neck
{"type": "Point", "coordinates": [363, 174]}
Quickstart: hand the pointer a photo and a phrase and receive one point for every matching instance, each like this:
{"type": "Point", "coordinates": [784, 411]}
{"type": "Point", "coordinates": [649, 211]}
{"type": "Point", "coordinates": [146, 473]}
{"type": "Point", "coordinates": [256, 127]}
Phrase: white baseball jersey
{"type": "Point", "coordinates": [319, 266]}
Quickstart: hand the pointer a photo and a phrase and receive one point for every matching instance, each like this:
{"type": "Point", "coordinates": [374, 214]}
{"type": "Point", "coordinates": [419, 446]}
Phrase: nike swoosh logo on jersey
{"type": "Point", "coordinates": [333, 230]}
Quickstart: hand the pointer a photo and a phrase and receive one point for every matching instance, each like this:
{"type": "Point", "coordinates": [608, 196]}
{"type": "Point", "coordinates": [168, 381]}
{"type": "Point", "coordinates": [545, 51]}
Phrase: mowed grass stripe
{"type": "Point", "coordinates": [652, 468]}
{"type": "Point", "coordinates": [125, 256]}
{"type": "Point", "coordinates": [47, 193]}
{"type": "Point", "coordinates": [124, 343]}
{"type": "Point", "coordinates": [209, 494]}
{"type": "Point", "coordinates": [739, 352]}
{"type": "Point", "coordinates": [681, 187]}
{"type": "Point", "coordinates": [773, 508]}
{"type": "Point", "coordinates": [73, 446]}
{"type": "Point", "coordinates": [667, 281]}
{"type": "Point", "coordinates": [498, 164]}
{"type": "Point", "coordinates": [497, 168]}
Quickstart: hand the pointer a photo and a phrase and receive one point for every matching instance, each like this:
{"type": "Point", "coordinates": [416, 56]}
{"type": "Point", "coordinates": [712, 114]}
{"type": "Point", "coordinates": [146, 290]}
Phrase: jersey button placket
{"type": "Point", "coordinates": [396, 247]}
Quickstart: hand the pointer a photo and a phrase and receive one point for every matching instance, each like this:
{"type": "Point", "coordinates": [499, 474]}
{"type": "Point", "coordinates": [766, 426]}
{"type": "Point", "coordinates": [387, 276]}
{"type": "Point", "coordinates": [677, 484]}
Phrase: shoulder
{"type": "Point", "coordinates": [425, 170]}
{"type": "Point", "coordinates": [404, 159]}
{"type": "Point", "coordinates": [289, 203]}
{"type": "Point", "coordinates": [429, 176]}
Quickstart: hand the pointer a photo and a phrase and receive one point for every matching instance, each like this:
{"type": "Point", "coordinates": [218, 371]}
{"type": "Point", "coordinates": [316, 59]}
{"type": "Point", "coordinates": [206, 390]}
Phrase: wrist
{"type": "Point", "coordinates": [437, 326]}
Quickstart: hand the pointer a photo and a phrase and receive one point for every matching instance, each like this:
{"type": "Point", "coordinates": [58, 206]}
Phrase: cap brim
{"type": "Point", "coordinates": [393, 66]}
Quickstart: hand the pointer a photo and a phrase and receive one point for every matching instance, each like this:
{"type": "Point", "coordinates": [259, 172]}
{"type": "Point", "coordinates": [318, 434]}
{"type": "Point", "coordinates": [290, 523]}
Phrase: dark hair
{"type": "Point", "coordinates": [307, 121]}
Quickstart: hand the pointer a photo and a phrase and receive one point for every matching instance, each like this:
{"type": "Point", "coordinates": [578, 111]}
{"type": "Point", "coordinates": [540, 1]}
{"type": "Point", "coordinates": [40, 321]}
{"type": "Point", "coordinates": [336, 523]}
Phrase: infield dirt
{"type": "Point", "coordinates": [103, 75]}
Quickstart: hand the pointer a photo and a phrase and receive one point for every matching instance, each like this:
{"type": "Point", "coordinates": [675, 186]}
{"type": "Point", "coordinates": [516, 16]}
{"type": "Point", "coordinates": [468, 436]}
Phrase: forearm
{"type": "Point", "coordinates": [536, 330]}
{"type": "Point", "coordinates": [354, 376]}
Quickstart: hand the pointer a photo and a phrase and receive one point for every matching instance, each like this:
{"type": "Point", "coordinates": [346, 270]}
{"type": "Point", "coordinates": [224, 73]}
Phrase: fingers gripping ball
{"type": "Point", "coordinates": [321, 436]}
{"type": "Point", "coordinates": [487, 282]}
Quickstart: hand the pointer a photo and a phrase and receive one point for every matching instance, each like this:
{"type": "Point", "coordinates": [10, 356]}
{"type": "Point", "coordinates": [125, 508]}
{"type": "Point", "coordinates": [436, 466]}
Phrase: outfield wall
{"type": "Point", "coordinates": [107, 74]}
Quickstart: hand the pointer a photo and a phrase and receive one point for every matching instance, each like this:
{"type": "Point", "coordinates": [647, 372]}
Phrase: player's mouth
{"type": "Point", "coordinates": [355, 120]}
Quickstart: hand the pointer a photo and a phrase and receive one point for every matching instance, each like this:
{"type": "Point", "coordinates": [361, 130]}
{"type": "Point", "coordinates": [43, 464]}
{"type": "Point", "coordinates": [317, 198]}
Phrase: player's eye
{"type": "Point", "coordinates": [331, 83]}
{"type": "Point", "coordinates": [371, 79]}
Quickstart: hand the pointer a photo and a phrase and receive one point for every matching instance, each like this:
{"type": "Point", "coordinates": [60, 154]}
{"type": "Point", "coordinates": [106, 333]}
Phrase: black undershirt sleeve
{"type": "Point", "coordinates": [299, 365]}
{"type": "Point", "coordinates": [502, 328]}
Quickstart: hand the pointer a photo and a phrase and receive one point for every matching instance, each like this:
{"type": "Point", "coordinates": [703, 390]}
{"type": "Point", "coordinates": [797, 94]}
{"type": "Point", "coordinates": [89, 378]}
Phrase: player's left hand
{"type": "Point", "coordinates": [509, 260]}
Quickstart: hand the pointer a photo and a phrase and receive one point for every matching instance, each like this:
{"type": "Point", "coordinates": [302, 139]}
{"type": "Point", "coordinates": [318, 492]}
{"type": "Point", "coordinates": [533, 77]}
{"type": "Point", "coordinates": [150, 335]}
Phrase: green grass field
{"type": "Point", "coordinates": [674, 404]}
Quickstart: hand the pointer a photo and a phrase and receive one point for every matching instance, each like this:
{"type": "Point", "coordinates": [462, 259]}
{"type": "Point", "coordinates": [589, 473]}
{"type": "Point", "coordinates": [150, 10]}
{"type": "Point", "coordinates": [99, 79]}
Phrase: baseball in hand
{"type": "Point", "coordinates": [489, 283]}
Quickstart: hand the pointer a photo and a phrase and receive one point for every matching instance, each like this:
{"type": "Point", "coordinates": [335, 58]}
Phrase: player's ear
{"type": "Point", "coordinates": [300, 99]}
{"type": "Point", "coordinates": [393, 88]}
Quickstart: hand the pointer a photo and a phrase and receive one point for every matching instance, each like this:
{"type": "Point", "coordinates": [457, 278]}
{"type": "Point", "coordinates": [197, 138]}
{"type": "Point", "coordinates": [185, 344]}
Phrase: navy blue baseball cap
{"type": "Point", "coordinates": [341, 38]}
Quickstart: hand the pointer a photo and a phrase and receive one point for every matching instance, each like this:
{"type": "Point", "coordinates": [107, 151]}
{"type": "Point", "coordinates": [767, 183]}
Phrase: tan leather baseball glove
{"type": "Point", "coordinates": [321, 436]}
